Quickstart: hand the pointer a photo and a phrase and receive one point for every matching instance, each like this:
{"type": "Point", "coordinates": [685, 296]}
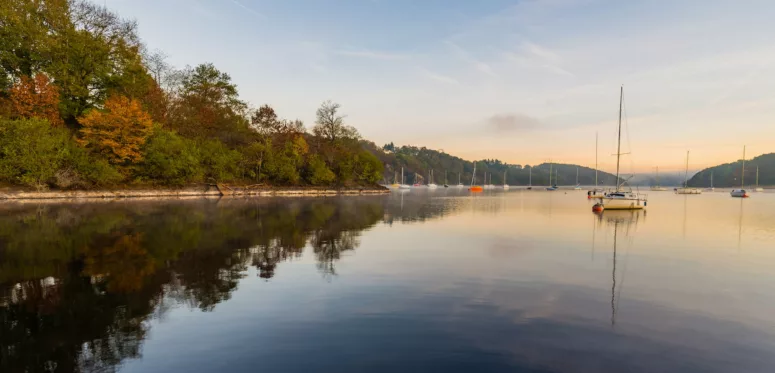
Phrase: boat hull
{"type": "Point", "coordinates": [658, 189]}
{"type": "Point", "coordinates": [739, 193]}
{"type": "Point", "coordinates": [622, 203]}
{"type": "Point", "coordinates": [688, 191]}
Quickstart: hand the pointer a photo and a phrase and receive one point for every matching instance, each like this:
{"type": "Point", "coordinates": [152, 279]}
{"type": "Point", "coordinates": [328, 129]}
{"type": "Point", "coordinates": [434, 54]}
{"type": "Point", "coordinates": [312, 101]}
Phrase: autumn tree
{"type": "Point", "coordinates": [265, 121]}
{"type": "Point", "coordinates": [208, 106]}
{"type": "Point", "coordinates": [118, 132]}
{"type": "Point", "coordinates": [35, 98]}
{"type": "Point", "coordinates": [330, 125]}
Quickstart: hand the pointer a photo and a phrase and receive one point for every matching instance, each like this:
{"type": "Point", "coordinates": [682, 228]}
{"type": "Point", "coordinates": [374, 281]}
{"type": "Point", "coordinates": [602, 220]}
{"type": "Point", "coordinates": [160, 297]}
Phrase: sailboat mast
{"type": "Point", "coordinates": [619, 140]}
{"type": "Point", "coordinates": [742, 176]}
{"type": "Point", "coordinates": [473, 175]}
{"type": "Point", "coordinates": [657, 175]}
{"type": "Point", "coordinates": [757, 176]}
{"type": "Point", "coordinates": [402, 175]}
{"type": "Point", "coordinates": [577, 176]}
{"type": "Point", "coordinates": [686, 173]}
{"type": "Point", "coordinates": [595, 159]}
{"type": "Point", "coordinates": [530, 176]}
{"type": "Point", "coordinates": [550, 173]}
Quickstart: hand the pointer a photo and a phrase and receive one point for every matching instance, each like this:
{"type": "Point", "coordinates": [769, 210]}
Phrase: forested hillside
{"type": "Point", "coordinates": [418, 162]}
{"type": "Point", "coordinates": [730, 175]}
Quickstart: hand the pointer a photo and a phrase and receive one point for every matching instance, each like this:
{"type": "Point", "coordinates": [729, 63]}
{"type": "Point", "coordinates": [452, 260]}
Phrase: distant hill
{"type": "Point", "coordinates": [729, 174]}
{"type": "Point", "coordinates": [665, 179]}
{"type": "Point", "coordinates": [420, 161]}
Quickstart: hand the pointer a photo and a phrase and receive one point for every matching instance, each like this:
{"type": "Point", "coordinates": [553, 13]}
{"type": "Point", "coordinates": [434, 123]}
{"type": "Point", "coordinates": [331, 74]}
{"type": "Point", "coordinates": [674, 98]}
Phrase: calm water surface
{"type": "Point", "coordinates": [516, 281]}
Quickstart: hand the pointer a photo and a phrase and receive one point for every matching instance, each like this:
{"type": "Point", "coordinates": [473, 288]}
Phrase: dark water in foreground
{"type": "Point", "coordinates": [421, 281]}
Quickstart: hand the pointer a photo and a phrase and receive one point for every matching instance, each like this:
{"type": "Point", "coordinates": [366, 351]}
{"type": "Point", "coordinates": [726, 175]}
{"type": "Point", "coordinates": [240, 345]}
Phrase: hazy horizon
{"type": "Point", "coordinates": [525, 82]}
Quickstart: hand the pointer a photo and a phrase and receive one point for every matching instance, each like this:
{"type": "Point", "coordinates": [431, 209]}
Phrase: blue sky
{"type": "Point", "coordinates": [522, 81]}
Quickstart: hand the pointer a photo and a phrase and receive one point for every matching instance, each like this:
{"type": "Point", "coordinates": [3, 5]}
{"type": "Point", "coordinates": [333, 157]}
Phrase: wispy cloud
{"type": "Point", "coordinates": [375, 55]}
{"type": "Point", "coordinates": [534, 55]}
{"type": "Point", "coordinates": [515, 122]}
{"type": "Point", "coordinates": [469, 58]}
{"type": "Point", "coordinates": [440, 78]}
{"type": "Point", "coordinates": [248, 9]}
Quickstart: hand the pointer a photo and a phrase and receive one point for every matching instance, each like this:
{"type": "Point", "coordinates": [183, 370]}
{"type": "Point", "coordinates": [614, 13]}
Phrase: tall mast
{"type": "Point", "coordinates": [742, 177]}
{"type": "Point", "coordinates": [595, 159]}
{"type": "Point", "coordinates": [473, 175]}
{"type": "Point", "coordinates": [657, 175]}
{"type": "Point", "coordinates": [757, 176]}
{"type": "Point", "coordinates": [530, 176]}
{"type": "Point", "coordinates": [577, 175]}
{"type": "Point", "coordinates": [402, 175]}
{"type": "Point", "coordinates": [686, 173]}
{"type": "Point", "coordinates": [619, 141]}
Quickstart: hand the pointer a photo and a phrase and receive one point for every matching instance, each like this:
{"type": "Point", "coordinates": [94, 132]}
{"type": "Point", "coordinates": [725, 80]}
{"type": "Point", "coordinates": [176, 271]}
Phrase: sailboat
{"type": "Point", "coordinates": [445, 179]}
{"type": "Point", "coordinates": [741, 193]}
{"type": "Point", "coordinates": [505, 185]}
{"type": "Point", "coordinates": [686, 189]}
{"type": "Point", "coordinates": [431, 184]}
{"type": "Point", "coordinates": [474, 188]}
{"type": "Point", "coordinates": [578, 186]}
{"type": "Point", "coordinates": [657, 187]}
{"type": "Point", "coordinates": [596, 191]}
{"type": "Point", "coordinates": [711, 188]}
{"type": "Point", "coordinates": [530, 178]}
{"type": "Point", "coordinates": [618, 199]}
{"type": "Point", "coordinates": [403, 186]}
{"type": "Point", "coordinates": [551, 187]}
{"type": "Point", "coordinates": [395, 184]}
{"type": "Point", "coordinates": [757, 189]}
{"type": "Point", "coordinates": [459, 184]}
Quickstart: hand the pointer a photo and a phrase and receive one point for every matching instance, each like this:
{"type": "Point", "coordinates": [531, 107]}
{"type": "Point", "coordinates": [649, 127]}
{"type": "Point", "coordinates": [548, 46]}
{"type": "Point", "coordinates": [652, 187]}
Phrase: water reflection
{"type": "Point", "coordinates": [79, 282]}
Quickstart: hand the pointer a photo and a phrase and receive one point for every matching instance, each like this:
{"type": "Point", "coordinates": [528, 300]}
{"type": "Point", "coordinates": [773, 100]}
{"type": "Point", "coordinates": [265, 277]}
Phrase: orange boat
{"type": "Point", "coordinates": [474, 188]}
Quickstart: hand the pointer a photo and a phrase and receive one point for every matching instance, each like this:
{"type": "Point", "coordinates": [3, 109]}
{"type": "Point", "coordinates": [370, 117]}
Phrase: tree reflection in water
{"type": "Point", "coordinates": [79, 283]}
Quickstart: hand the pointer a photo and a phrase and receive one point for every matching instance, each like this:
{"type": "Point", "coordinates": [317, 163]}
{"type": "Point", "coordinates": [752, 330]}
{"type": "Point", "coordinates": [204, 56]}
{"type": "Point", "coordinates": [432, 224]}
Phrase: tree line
{"type": "Point", "coordinates": [84, 103]}
{"type": "Point", "coordinates": [731, 175]}
{"type": "Point", "coordinates": [418, 162]}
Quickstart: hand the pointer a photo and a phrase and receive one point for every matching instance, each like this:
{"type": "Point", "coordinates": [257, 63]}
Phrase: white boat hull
{"type": "Point", "coordinates": [688, 191]}
{"type": "Point", "coordinates": [622, 203]}
{"type": "Point", "coordinates": [758, 189]}
{"type": "Point", "coordinates": [658, 189]}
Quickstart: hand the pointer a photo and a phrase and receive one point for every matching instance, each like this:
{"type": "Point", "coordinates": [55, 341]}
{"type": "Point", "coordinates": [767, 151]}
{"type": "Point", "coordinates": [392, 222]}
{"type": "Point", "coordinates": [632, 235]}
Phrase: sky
{"type": "Point", "coordinates": [521, 81]}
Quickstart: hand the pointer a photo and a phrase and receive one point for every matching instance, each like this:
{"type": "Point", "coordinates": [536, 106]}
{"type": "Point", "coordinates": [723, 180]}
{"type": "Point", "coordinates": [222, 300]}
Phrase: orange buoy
{"type": "Point", "coordinates": [598, 207]}
{"type": "Point", "coordinates": [475, 188]}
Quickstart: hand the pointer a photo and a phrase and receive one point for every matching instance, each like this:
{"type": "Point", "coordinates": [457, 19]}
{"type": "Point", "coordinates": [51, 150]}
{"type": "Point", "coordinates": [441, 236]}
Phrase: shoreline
{"type": "Point", "coordinates": [215, 190]}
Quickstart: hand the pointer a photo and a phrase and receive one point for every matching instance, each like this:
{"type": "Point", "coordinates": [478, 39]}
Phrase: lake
{"type": "Point", "coordinates": [418, 281]}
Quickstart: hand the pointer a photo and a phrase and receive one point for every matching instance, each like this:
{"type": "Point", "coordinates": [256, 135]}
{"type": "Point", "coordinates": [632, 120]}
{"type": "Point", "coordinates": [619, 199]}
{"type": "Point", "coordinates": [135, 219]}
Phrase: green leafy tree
{"type": "Point", "coordinates": [329, 124]}
{"type": "Point", "coordinates": [317, 173]}
{"type": "Point", "coordinates": [170, 159]}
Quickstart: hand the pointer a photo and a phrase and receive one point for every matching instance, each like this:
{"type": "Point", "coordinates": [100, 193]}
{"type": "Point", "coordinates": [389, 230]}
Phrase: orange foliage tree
{"type": "Point", "coordinates": [118, 132]}
{"type": "Point", "coordinates": [35, 98]}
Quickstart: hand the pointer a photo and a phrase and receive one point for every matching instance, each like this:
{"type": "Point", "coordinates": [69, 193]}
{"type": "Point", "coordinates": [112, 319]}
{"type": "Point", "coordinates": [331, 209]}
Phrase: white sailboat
{"type": "Point", "coordinates": [741, 193]}
{"type": "Point", "coordinates": [686, 189]}
{"type": "Point", "coordinates": [530, 178]}
{"type": "Point", "coordinates": [431, 184]}
{"type": "Point", "coordinates": [446, 185]}
{"type": "Point", "coordinates": [619, 199]}
{"type": "Point", "coordinates": [711, 188]}
{"type": "Point", "coordinates": [403, 185]}
{"type": "Point", "coordinates": [757, 188]}
{"type": "Point", "coordinates": [578, 186]}
{"type": "Point", "coordinates": [459, 184]}
{"type": "Point", "coordinates": [657, 187]}
{"type": "Point", "coordinates": [551, 187]}
{"type": "Point", "coordinates": [505, 185]}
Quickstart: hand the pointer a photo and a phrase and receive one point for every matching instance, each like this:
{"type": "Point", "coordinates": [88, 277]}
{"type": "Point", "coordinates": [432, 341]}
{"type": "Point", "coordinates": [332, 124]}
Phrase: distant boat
{"type": "Point", "coordinates": [395, 181]}
{"type": "Point", "coordinates": [578, 186]}
{"type": "Point", "coordinates": [741, 193]}
{"type": "Point", "coordinates": [711, 188]}
{"type": "Point", "coordinates": [416, 184]}
{"type": "Point", "coordinates": [505, 185]}
{"type": "Point", "coordinates": [657, 187]}
{"type": "Point", "coordinates": [757, 189]}
{"type": "Point", "coordinates": [619, 199]}
{"type": "Point", "coordinates": [445, 179]}
{"type": "Point", "coordinates": [431, 184]}
{"type": "Point", "coordinates": [474, 188]}
{"type": "Point", "coordinates": [403, 186]}
{"type": "Point", "coordinates": [686, 189]}
{"type": "Point", "coordinates": [596, 192]}
{"type": "Point", "coordinates": [530, 178]}
{"type": "Point", "coordinates": [551, 186]}
{"type": "Point", "coordinates": [459, 184]}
